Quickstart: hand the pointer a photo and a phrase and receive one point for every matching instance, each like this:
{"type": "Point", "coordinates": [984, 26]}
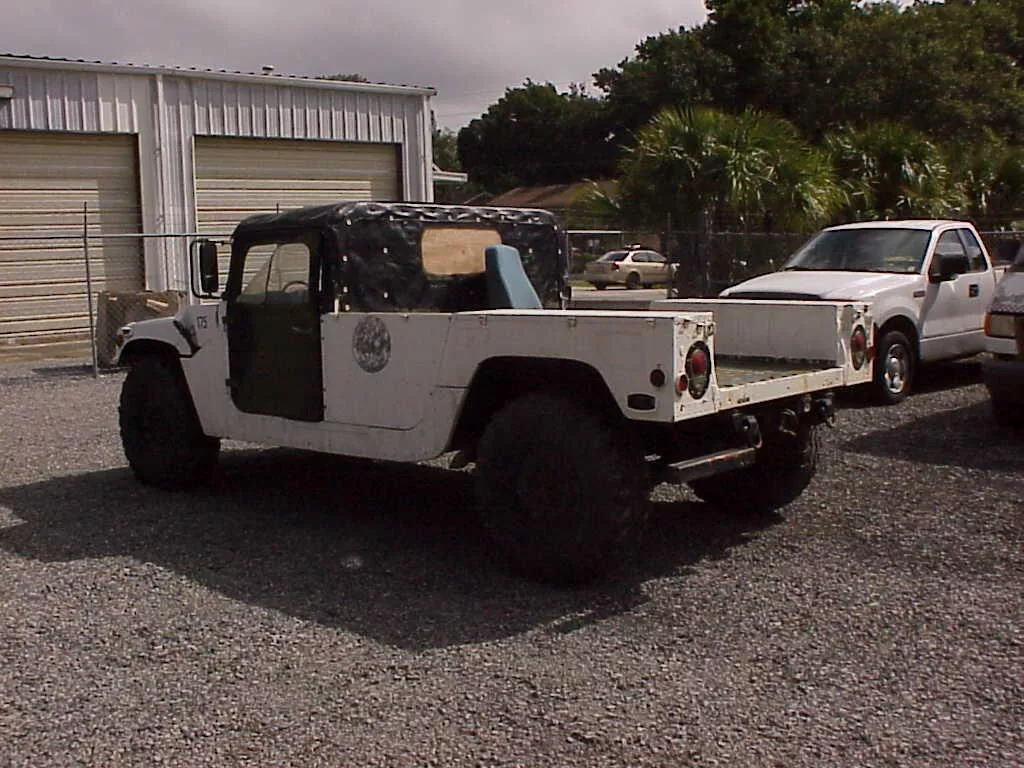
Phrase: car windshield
{"type": "Point", "coordinates": [863, 250]}
{"type": "Point", "coordinates": [613, 256]}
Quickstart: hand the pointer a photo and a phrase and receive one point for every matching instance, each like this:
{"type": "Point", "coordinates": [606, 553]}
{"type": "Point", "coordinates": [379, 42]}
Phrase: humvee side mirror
{"type": "Point", "coordinates": [205, 266]}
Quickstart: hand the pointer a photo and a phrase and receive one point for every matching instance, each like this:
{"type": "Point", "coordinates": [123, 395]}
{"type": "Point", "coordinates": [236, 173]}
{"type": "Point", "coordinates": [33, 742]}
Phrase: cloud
{"type": "Point", "coordinates": [469, 50]}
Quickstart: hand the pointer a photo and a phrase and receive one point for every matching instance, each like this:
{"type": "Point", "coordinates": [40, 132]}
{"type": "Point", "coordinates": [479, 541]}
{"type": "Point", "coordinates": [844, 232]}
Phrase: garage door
{"type": "Point", "coordinates": [46, 180]}
{"type": "Point", "coordinates": [239, 177]}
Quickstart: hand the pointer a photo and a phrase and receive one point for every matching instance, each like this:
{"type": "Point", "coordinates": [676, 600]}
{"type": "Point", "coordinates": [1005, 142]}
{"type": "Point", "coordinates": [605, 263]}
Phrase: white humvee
{"type": "Point", "coordinates": [404, 332]}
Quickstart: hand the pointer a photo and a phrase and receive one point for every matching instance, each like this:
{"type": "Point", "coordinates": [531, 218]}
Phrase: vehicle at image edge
{"type": "Point", "coordinates": [632, 267]}
{"type": "Point", "coordinates": [929, 284]}
{"type": "Point", "coordinates": [1003, 367]}
{"type": "Point", "coordinates": [404, 332]}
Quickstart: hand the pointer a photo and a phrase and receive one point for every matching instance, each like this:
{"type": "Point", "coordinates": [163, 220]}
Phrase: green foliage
{"type": "Point", "coordinates": [707, 169]}
{"type": "Point", "coordinates": [349, 78]}
{"type": "Point", "coordinates": [535, 135]}
{"type": "Point", "coordinates": [446, 150]}
{"type": "Point", "coordinates": [920, 108]}
{"type": "Point", "coordinates": [891, 171]}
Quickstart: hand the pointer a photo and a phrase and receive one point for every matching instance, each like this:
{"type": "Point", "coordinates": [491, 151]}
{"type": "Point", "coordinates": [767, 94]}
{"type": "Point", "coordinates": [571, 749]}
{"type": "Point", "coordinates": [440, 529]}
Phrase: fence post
{"type": "Point", "coordinates": [88, 289]}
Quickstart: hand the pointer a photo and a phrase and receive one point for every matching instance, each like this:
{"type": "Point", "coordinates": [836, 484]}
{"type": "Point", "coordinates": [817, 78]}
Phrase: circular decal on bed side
{"type": "Point", "coordinates": [371, 344]}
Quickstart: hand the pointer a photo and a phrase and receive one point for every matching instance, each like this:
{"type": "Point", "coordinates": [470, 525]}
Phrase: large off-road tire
{"type": "Point", "coordinates": [562, 492]}
{"type": "Point", "coordinates": [895, 366]}
{"type": "Point", "coordinates": [160, 432]}
{"type": "Point", "coordinates": [1007, 414]}
{"type": "Point", "coordinates": [785, 466]}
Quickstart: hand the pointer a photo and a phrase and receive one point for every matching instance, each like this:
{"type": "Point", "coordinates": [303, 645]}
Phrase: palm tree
{"type": "Point", "coordinates": [707, 168]}
{"type": "Point", "coordinates": [708, 171]}
{"type": "Point", "coordinates": [890, 171]}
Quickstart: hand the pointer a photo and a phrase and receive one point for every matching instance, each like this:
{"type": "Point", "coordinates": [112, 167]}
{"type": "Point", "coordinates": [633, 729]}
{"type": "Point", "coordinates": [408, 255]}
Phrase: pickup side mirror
{"type": "Point", "coordinates": [946, 266]}
{"type": "Point", "coordinates": [205, 266]}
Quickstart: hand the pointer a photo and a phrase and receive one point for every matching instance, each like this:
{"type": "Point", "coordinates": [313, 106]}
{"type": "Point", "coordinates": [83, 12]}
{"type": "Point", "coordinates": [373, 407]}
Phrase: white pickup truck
{"type": "Point", "coordinates": [406, 331]}
{"type": "Point", "coordinates": [929, 284]}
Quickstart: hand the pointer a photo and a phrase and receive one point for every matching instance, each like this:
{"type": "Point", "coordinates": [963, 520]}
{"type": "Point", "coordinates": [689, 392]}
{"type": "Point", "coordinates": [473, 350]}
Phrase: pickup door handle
{"type": "Point", "coordinates": [973, 290]}
{"type": "Point", "coordinates": [301, 330]}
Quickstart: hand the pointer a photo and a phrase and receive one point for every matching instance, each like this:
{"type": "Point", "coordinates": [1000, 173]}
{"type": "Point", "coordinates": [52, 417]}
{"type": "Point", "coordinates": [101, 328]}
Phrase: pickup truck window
{"type": "Point", "coordinates": [974, 251]}
{"type": "Point", "coordinates": [863, 250]}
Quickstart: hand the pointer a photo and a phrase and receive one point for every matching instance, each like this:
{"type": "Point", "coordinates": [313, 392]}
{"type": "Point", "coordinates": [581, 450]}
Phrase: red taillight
{"type": "Point", "coordinates": [657, 378]}
{"type": "Point", "coordinates": [682, 384]}
{"type": "Point", "coordinates": [698, 370]}
{"type": "Point", "coordinates": [859, 347]}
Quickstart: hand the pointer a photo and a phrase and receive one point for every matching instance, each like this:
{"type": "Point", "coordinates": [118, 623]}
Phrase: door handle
{"type": "Point", "coordinates": [301, 331]}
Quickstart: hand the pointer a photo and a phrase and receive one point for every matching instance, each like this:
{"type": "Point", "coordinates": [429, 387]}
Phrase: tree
{"type": "Point", "coordinates": [446, 149]}
{"type": "Point", "coordinates": [349, 78]}
{"type": "Point", "coordinates": [891, 171]}
{"type": "Point", "coordinates": [707, 170]}
{"type": "Point", "coordinates": [950, 70]}
{"type": "Point", "coordinates": [535, 135]}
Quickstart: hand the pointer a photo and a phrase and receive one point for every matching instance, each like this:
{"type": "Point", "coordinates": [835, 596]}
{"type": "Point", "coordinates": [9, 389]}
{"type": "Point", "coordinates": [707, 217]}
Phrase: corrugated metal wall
{"type": "Point", "coordinates": [53, 183]}
{"type": "Point", "coordinates": [168, 109]}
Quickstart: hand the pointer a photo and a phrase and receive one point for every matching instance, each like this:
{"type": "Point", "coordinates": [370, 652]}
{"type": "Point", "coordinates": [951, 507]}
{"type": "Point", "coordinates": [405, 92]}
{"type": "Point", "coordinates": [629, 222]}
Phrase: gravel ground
{"type": "Point", "coordinates": [311, 611]}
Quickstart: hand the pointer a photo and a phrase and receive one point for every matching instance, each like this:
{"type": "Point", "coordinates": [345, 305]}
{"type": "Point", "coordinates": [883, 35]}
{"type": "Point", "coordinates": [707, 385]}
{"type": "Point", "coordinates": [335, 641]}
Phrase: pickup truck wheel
{"type": "Point", "coordinates": [562, 494]}
{"type": "Point", "coordinates": [632, 281]}
{"type": "Point", "coordinates": [160, 432]}
{"type": "Point", "coordinates": [785, 466]}
{"type": "Point", "coordinates": [894, 368]}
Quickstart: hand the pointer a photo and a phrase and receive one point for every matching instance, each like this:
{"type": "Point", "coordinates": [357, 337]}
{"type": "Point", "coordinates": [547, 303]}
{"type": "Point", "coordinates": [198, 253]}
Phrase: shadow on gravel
{"type": "Point", "coordinates": [391, 552]}
{"type": "Point", "coordinates": [938, 377]}
{"type": "Point", "coordinates": [962, 438]}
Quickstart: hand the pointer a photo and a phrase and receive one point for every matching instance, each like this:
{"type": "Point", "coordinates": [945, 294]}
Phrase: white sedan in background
{"type": "Point", "coordinates": [632, 267]}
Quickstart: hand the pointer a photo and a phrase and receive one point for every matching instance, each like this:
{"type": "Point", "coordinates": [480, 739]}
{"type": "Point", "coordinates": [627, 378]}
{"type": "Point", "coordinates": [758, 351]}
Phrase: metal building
{"type": "Point", "coordinates": [132, 149]}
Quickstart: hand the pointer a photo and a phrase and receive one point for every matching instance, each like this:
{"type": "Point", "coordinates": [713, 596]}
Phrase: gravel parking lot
{"type": "Point", "coordinates": [310, 610]}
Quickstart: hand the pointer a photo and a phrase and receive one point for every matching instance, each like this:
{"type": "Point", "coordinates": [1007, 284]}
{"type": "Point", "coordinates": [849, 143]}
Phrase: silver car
{"type": "Point", "coordinates": [632, 267]}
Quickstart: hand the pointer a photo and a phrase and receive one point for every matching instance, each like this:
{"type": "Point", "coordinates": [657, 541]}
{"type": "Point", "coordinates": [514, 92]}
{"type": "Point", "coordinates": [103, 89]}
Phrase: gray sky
{"type": "Point", "coordinates": [469, 50]}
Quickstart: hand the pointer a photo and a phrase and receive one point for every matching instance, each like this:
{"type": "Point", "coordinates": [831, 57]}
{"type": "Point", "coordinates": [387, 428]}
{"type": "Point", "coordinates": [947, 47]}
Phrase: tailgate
{"type": "Point", "coordinates": [769, 349]}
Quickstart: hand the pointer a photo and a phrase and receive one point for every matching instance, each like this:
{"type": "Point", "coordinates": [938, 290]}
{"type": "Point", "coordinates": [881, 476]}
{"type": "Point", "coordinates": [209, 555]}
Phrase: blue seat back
{"type": "Point", "coordinates": [508, 287]}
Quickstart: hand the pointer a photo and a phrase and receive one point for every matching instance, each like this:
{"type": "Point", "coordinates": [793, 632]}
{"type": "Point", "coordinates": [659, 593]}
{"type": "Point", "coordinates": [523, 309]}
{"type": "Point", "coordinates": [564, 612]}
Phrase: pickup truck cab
{"type": "Point", "coordinates": [929, 283]}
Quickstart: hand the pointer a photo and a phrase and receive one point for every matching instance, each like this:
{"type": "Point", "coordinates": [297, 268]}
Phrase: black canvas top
{"type": "Point", "coordinates": [382, 268]}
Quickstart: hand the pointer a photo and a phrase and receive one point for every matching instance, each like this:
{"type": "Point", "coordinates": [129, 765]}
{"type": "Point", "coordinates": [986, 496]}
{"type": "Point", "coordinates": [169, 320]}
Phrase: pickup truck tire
{"type": "Point", "coordinates": [562, 493]}
{"type": "Point", "coordinates": [894, 368]}
{"type": "Point", "coordinates": [163, 441]}
{"type": "Point", "coordinates": [785, 466]}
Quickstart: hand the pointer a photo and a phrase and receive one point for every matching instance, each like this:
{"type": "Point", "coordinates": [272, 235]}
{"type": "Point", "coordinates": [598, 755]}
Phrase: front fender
{"type": "Point", "coordinates": [885, 308]}
{"type": "Point", "coordinates": [162, 332]}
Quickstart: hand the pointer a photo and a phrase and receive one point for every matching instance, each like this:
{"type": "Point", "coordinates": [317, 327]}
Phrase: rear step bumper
{"type": "Point", "coordinates": [706, 466]}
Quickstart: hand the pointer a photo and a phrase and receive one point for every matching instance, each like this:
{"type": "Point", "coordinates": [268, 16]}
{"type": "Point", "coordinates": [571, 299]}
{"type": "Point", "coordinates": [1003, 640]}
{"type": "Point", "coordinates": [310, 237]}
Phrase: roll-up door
{"type": "Point", "coordinates": [49, 183]}
{"type": "Point", "coordinates": [239, 177]}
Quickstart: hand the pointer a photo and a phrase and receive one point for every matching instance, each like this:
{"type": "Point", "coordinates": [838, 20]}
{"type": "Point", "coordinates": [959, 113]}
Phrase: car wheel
{"type": "Point", "coordinates": [562, 493]}
{"type": "Point", "coordinates": [160, 432]}
{"type": "Point", "coordinates": [600, 286]}
{"type": "Point", "coordinates": [632, 281]}
{"type": "Point", "coordinates": [894, 368]}
{"type": "Point", "coordinates": [786, 464]}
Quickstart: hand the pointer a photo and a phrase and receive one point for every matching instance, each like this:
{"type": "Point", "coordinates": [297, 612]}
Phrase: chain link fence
{"type": "Point", "coordinates": [88, 301]}
{"type": "Point", "coordinates": [708, 263]}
